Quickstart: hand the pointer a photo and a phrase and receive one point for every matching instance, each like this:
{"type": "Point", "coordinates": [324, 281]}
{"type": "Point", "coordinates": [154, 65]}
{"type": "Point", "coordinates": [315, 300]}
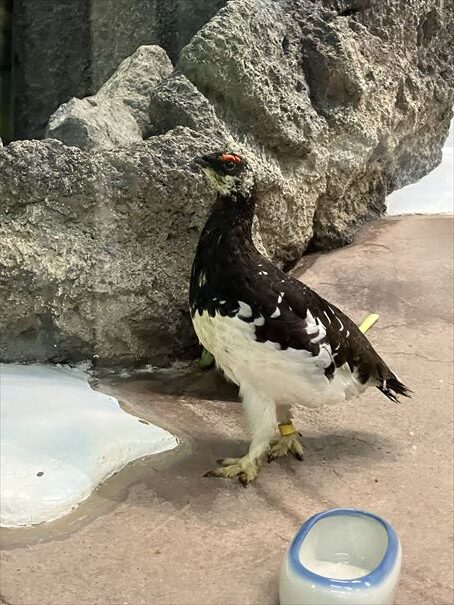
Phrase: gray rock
{"type": "Point", "coordinates": [334, 103]}
{"type": "Point", "coordinates": [339, 102]}
{"type": "Point", "coordinates": [134, 80]}
{"type": "Point", "coordinates": [52, 57]}
{"type": "Point", "coordinates": [176, 101]}
{"type": "Point", "coordinates": [93, 123]}
{"type": "Point", "coordinates": [118, 113]}
{"type": "Point", "coordinates": [118, 27]}
{"type": "Point", "coordinates": [69, 48]}
{"type": "Point", "coordinates": [89, 267]}
{"type": "Point", "coordinates": [246, 59]}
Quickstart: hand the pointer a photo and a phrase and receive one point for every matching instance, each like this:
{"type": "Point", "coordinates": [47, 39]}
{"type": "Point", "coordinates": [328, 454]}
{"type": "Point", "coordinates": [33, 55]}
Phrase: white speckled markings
{"type": "Point", "coordinates": [60, 439]}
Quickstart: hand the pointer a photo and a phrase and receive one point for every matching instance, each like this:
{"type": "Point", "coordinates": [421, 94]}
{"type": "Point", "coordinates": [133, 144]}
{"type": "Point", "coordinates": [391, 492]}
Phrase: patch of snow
{"type": "Point", "coordinates": [434, 193]}
{"type": "Point", "coordinates": [60, 439]}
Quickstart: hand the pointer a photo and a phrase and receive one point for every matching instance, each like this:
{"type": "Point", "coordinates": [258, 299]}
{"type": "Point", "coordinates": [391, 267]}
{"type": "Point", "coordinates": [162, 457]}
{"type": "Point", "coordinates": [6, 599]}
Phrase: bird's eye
{"type": "Point", "coordinates": [229, 165]}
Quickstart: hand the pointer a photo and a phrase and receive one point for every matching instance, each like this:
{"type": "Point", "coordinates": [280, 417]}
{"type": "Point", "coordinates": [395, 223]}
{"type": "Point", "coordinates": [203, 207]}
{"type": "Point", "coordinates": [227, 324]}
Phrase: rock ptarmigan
{"type": "Point", "coordinates": [273, 336]}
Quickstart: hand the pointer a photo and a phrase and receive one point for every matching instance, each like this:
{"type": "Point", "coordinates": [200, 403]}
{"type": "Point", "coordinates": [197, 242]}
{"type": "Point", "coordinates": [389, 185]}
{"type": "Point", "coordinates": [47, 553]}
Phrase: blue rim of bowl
{"type": "Point", "coordinates": [376, 576]}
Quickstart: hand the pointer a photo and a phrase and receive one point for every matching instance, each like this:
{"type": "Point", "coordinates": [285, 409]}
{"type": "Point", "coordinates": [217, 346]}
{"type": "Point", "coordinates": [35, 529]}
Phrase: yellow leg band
{"type": "Point", "coordinates": [286, 428]}
{"type": "Point", "coordinates": [368, 322]}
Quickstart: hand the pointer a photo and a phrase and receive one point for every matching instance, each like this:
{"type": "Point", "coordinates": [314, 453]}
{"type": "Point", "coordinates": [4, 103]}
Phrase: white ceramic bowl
{"type": "Point", "coordinates": [343, 555]}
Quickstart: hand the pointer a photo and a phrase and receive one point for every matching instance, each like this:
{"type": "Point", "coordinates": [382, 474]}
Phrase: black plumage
{"type": "Point", "coordinates": [228, 269]}
{"type": "Point", "coordinates": [272, 335]}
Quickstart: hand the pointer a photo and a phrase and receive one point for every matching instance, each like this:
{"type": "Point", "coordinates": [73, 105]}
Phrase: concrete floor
{"type": "Point", "coordinates": [159, 533]}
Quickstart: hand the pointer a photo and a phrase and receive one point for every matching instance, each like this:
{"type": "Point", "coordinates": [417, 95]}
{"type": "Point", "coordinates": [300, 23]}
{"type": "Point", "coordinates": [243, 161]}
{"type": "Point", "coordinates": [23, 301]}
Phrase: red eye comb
{"type": "Point", "coordinates": [229, 157]}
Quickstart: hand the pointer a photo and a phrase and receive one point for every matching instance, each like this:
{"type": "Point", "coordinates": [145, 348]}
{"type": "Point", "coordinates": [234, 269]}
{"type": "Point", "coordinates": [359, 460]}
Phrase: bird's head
{"type": "Point", "coordinates": [228, 172]}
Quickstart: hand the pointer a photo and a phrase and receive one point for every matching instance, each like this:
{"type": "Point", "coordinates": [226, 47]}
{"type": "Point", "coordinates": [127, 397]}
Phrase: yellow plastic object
{"type": "Point", "coordinates": [286, 428]}
{"type": "Point", "coordinates": [368, 322]}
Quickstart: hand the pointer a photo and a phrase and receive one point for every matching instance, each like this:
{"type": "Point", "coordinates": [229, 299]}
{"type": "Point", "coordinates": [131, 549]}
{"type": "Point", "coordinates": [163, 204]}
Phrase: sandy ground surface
{"type": "Point", "coordinates": [159, 533]}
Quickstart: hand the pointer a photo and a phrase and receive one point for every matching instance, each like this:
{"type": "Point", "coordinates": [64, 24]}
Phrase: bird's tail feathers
{"type": "Point", "coordinates": [392, 386]}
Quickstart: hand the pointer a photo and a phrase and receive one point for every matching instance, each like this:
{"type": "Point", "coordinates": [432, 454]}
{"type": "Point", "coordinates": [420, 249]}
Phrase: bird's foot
{"type": "Point", "coordinates": [286, 444]}
{"type": "Point", "coordinates": [245, 468]}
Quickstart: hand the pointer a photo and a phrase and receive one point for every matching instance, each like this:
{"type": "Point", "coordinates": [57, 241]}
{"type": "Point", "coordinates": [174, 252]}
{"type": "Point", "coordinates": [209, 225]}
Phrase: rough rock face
{"type": "Point", "coordinates": [89, 269]}
{"type": "Point", "coordinates": [342, 92]}
{"type": "Point", "coordinates": [334, 104]}
{"type": "Point", "coordinates": [177, 101]}
{"type": "Point", "coordinates": [93, 123]}
{"type": "Point", "coordinates": [118, 113]}
{"type": "Point", "coordinates": [69, 48]}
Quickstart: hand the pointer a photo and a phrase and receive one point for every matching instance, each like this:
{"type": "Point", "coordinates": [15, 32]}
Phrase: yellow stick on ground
{"type": "Point", "coordinates": [368, 322]}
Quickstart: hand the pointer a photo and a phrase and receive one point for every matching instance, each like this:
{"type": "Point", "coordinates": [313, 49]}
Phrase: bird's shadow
{"type": "Point", "coordinates": [191, 382]}
{"type": "Point", "coordinates": [178, 477]}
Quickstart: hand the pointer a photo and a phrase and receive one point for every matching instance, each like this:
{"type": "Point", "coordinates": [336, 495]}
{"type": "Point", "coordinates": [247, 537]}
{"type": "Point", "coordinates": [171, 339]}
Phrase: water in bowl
{"type": "Point", "coordinates": [338, 570]}
{"type": "Point", "coordinates": [344, 547]}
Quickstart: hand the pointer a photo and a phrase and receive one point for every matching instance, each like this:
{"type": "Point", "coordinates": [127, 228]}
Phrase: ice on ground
{"type": "Point", "coordinates": [434, 193]}
{"type": "Point", "coordinates": [60, 439]}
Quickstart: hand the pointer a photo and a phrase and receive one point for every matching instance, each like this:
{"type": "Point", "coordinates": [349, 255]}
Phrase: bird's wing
{"type": "Point", "coordinates": [289, 314]}
{"type": "Point", "coordinates": [296, 317]}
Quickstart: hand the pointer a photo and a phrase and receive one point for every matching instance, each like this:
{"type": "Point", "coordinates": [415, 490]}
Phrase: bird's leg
{"type": "Point", "coordinates": [261, 419]}
{"type": "Point", "coordinates": [289, 440]}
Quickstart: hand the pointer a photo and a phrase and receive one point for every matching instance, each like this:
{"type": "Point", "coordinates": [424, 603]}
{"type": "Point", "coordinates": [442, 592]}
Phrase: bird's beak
{"type": "Point", "coordinates": [201, 161]}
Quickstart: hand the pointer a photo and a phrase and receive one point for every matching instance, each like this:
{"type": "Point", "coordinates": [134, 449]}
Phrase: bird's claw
{"type": "Point", "coordinates": [242, 478]}
{"type": "Point", "coordinates": [284, 445]}
{"type": "Point", "coordinates": [244, 468]}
